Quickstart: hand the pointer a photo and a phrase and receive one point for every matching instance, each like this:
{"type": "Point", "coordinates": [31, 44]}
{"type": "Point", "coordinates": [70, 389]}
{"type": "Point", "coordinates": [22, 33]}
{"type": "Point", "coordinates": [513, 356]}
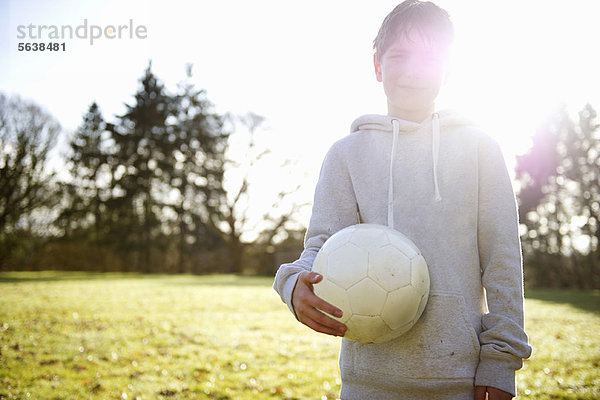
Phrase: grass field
{"type": "Point", "coordinates": [117, 336]}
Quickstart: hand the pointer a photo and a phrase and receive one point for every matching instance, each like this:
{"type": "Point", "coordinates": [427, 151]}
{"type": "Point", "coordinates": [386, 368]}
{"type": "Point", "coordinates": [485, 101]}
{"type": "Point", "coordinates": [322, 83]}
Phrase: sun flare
{"type": "Point", "coordinates": [510, 79]}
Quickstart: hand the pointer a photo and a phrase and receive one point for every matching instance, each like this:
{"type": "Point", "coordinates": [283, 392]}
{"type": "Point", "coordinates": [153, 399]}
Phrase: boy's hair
{"type": "Point", "coordinates": [430, 21]}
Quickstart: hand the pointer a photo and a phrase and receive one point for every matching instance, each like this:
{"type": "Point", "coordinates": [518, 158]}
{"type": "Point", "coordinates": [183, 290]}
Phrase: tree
{"type": "Point", "coordinates": [278, 212]}
{"type": "Point", "coordinates": [27, 135]}
{"type": "Point", "coordinates": [196, 179]}
{"type": "Point", "coordinates": [581, 172]}
{"type": "Point", "coordinates": [143, 141]}
{"type": "Point", "coordinates": [560, 200]}
{"type": "Point", "coordinates": [90, 178]}
{"type": "Point", "coordinates": [83, 219]}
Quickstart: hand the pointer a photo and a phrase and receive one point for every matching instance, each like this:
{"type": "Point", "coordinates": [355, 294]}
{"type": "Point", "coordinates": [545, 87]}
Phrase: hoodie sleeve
{"type": "Point", "coordinates": [334, 208]}
{"type": "Point", "coordinates": [504, 343]}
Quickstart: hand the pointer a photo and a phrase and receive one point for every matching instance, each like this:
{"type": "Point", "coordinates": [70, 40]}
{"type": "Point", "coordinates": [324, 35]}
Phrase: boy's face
{"type": "Point", "coordinates": [412, 73]}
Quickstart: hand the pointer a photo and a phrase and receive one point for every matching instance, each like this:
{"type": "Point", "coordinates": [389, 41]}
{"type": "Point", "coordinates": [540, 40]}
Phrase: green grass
{"type": "Point", "coordinates": [564, 330]}
{"type": "Point", "coordinates": [128, 336]}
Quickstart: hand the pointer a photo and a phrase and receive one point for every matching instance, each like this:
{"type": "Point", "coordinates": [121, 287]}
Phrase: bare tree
{"type": "Point", "coordinates": [276, 218]}
{"type": "Point", "coordinates": [27, 135]}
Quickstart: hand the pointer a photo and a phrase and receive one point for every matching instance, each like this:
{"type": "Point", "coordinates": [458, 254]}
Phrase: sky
{"type": "Point", "coordinates": [305, 66]}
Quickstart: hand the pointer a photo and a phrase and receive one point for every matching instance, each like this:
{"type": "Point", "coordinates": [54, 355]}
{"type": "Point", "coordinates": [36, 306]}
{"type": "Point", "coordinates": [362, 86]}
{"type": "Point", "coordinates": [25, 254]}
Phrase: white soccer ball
{"type": "Point", "coordinates": [377, 277]}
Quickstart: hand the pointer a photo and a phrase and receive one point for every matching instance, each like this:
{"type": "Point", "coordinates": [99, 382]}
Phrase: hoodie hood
{"type": "Point", "coordinates": [396, 126]}
{"type": "Point", "coordinates": [383, 123]}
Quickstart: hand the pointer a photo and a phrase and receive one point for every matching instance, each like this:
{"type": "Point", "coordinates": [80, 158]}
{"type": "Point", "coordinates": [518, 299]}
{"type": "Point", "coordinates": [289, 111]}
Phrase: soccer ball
{"type": "Point", "coordinates": [377, 277]}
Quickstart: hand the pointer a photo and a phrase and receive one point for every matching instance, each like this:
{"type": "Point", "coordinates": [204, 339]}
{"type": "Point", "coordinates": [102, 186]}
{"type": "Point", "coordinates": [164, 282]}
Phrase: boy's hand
{"type": "Point", "coordinates": [308, 306]}
{"type": "Point", "coordinates": [490, 393]}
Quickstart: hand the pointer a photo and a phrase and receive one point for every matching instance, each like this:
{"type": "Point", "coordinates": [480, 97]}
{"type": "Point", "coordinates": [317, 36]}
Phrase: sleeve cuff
{"type": "Point", "coordinates": [495, 373]}
{"type": "Point", "coordinates": [288, 289]}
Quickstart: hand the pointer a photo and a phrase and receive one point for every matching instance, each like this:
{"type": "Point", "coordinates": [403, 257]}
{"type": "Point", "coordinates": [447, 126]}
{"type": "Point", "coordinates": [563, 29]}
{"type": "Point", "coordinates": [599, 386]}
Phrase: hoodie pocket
{"type": "Point", "coordinates": [442, 344]}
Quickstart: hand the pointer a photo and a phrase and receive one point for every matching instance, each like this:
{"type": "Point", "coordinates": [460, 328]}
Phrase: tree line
{"type": "Point", "coordinates": [146, 192]}
{"type": "Point", "coordinates": [559, 201]}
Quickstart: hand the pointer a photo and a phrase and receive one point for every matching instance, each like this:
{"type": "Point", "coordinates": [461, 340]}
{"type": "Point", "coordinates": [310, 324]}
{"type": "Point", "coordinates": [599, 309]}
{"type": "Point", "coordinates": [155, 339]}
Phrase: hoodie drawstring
{"type": "Point", "coordinates": [390, 216]}
{"type": "Point", "coordinates": [435, 150]}
{"type": "Point", "coordinates": [435, 153]}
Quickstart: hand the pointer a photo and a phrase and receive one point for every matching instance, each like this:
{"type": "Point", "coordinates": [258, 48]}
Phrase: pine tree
{"type": "Point", "coordinates": [143, 140]}
{"type": "Point", "coordinates": [196, 178]}
{"type": "Point", "coordinates": [90, 178]}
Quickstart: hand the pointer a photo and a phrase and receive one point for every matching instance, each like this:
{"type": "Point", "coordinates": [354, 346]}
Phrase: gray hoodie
{"type": "Point", "coordinates": [444, 184]}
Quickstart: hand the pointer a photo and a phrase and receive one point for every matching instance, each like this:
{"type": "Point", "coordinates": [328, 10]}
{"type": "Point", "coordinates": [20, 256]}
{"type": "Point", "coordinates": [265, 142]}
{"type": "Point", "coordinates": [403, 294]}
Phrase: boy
{"type": "Point", "coordinates": [444, 184]}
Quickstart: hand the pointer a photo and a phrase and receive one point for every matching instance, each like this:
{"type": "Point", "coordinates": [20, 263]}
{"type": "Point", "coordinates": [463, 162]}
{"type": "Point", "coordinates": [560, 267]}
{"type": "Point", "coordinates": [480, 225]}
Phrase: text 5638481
{"type": "Point", "coordinates": [42, 46]}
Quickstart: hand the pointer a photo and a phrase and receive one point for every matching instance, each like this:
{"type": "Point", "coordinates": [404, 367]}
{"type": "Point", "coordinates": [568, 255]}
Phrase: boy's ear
{"type": "Point", "coordinates": [377, 66]}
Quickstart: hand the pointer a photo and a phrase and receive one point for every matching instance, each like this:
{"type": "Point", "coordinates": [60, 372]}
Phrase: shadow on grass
{"type": "Point", "coordinates": [173, 279]}
{"type": "Point", "coordinates": [586, 300]}
{"type": "Point", "coordinates": [221, 280]}
{"type": "Point", "coordinates": [48, 276]}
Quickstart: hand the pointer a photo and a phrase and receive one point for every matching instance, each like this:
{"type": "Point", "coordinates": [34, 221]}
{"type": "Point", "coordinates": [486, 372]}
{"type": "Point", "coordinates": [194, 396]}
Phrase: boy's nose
{"type": "Point", "coordinates": [413, 67]}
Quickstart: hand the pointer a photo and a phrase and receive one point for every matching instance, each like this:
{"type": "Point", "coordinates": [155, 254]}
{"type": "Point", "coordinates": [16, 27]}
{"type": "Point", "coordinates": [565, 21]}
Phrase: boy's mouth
{"type": "Point", "coordinates": [408, 87]}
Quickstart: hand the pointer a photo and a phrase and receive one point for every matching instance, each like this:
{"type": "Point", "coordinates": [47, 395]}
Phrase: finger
{"type": "Point", "coordinates": [308, 296]}
{"type": "Point", "coordinates": [480, 392]}
{"type": "Point", "coordinates": [321, 328]}
{"type": "Point", "coordinates": [329, 308]}
{"type": "Point", "coordinates": [305, 310]}
{"type": "Point", "coordinates": [310, 277]}
{"type": "Point", "coordinates": [322, 319]}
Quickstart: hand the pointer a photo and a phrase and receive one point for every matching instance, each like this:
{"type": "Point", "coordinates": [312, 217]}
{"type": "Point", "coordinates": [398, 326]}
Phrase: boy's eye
{"type": "Point", "coordinates": [399, 56]}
